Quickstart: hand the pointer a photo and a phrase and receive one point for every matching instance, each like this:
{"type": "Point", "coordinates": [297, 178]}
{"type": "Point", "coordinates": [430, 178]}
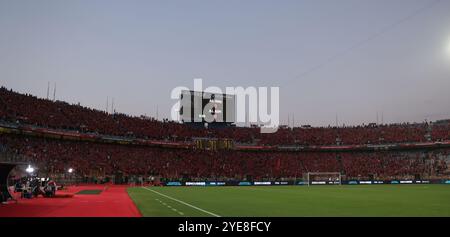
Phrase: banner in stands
{"type": "Point", "coordinates": [244, 183]}
{"type": "Point", "coordinates": [195, 183]}
{"type": "Point", "coordinates": [262, 183]}
{"type": "Point", "coordinates": [216, 183]}
{"type": "Point", "coordinates": [269, 183]}
{"type": "Point", "coordinates": [173, 184]}
{"type": "Point", "coordinates": [283, 183]}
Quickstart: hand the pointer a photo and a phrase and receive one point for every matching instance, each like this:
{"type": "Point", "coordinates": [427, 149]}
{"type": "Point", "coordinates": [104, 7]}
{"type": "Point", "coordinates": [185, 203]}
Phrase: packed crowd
{"type": "Point", "coordinates": [28, 109]}
{"type": "Point", "coordinates": [89, 159]}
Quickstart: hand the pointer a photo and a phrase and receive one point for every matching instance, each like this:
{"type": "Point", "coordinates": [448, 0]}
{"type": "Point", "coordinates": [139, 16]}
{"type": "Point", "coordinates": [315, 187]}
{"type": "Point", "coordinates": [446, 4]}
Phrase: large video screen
{"type": "Point", "coordinates": [205, 107]}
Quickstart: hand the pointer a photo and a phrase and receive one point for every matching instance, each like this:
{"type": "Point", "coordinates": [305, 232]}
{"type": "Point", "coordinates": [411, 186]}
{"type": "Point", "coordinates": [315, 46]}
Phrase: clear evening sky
{"type": "Point", "coordinates": [353, 58]}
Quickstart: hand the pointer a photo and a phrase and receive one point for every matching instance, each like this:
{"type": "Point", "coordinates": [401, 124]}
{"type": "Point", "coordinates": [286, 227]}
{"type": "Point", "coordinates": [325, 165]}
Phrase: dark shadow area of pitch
{"type": "Point", "coordinates": [90, 192]}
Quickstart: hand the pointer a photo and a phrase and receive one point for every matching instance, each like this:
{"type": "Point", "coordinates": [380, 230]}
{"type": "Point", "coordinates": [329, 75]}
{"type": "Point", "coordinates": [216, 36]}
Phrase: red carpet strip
{"type": "Point", "coordinates": [113, 201]}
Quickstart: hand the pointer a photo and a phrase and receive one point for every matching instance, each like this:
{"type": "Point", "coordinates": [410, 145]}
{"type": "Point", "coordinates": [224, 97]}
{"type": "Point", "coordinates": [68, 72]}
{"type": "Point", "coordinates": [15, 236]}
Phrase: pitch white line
{"type": "Point", "coordinates": [187, 204]}
{"type": "Point", "coordinates": [173, 209]}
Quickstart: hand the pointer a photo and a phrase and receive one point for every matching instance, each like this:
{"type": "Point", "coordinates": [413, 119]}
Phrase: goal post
{"type": "Point", "coordinates": [323, 178]}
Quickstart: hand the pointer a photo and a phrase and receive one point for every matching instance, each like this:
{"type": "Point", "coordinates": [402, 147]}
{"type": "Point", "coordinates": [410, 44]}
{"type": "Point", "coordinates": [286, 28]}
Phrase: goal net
{"type": "Point", "coordinates": [317, 178]}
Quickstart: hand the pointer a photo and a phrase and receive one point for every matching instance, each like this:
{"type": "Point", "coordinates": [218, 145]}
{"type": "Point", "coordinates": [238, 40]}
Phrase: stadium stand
{"type": "Point", "coordinates": [101, 160]}
{"type": "Point", "coordinates": [94, 158]}
{"type": "Point", "coordinates": [28, 109]}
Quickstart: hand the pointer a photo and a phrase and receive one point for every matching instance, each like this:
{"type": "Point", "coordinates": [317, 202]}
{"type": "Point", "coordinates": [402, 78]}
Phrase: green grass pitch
{"type": "Point", "coordinates": [90, 192]}
{"type": "Point", "coordinates": [301, 201]}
